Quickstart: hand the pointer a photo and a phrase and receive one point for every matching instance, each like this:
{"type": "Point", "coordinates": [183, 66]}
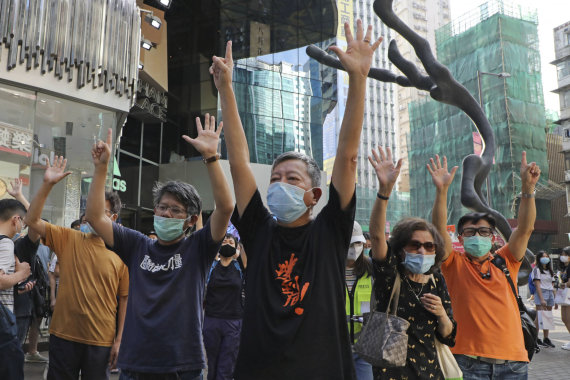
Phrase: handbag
{"type": "Point", "coordinates": [447, 362]}
{"type": "Point", "coordinates": [530, 332]}
{"type": "Point", "coordinates": [562, 297]}
{"type": "Point", "coordinates": [545, 320]}
{"type": "Point", "coordinates": [383, 341]}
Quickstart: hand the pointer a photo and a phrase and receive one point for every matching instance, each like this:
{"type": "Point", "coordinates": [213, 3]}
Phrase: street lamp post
{"type": "Point", "coordinates": [498, 75]}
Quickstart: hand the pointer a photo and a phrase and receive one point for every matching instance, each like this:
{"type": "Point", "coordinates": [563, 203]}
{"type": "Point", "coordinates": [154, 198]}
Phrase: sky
{"type": "Point", "coordinates": [551, 14]}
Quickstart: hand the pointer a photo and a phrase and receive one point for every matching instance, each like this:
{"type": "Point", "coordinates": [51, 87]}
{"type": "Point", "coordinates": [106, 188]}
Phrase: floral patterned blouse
{"type": "Point", "coordinates": [421, 362]}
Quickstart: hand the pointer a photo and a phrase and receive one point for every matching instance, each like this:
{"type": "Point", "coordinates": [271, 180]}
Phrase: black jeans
{"type": "Point", "coordinates": [11, 360]}
{"type": "Point", "coordinates": [186, 375]}
{"type": "Point", "coordinates": [67, 358]}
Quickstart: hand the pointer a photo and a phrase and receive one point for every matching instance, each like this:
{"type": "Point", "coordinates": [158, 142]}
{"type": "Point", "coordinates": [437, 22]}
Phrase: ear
{"type": "Point", "coordinates": [460, 238]}
{"type": "Point", "coordinates": [189, 222]}
{"type": "Point", "coordinates": [114, 217]}
{"type": "Point", "coordinates": [314, 196]}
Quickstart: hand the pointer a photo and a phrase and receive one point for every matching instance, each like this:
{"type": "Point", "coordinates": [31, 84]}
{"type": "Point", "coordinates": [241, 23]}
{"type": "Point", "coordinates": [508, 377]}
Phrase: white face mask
{"type": "Point", "coordinates": [354, 252]}
{"type": "Point", "coordinates": [563, 259]}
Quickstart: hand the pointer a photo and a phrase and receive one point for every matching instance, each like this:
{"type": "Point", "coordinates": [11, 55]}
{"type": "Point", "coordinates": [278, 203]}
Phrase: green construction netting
{"type": "Point", "coordinates": [513, 105]}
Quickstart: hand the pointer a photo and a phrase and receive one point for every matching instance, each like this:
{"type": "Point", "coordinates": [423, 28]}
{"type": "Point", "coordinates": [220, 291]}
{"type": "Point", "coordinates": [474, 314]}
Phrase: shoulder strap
{"type": "Point", "coordinates": [499, 262]}
{"type": "Point", "coordinates": [395, 295]}
{"type": "Point", "coordinates": [236, 264]}
{"type": "Point", "coordinates": [211, 269]}
{"type": "Point", "coordinates": [4, 237]}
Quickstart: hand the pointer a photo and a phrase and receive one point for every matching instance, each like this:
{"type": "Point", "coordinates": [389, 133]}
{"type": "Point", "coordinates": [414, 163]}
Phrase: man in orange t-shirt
{"type": "Point", "coordinates": [489, 342]}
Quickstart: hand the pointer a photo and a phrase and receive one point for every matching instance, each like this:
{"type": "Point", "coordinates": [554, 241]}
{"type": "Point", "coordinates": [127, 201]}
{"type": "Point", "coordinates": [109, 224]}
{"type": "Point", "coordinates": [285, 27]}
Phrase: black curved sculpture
{"type": "Point", "coordinates": [442, 87]}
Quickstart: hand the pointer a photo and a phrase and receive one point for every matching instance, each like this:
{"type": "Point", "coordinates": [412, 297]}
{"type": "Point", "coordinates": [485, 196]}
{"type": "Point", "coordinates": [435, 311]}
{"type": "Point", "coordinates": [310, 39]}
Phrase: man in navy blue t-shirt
{"type": "Point", "coordinates": [162, 334]}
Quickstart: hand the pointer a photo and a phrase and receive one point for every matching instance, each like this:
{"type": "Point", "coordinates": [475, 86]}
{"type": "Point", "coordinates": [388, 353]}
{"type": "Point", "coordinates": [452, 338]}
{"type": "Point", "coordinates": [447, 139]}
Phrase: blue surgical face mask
{"type": "Point", "coordinates": [168, 229]}
{"type": "Point", "coordinates": [418, 263]}
{"type": "Point", "coordinates": [544, 260]}
{"type": "Point", "coordinates": [286, 201]}
{"type": "Point", "coordinates": [86, 228]}
{"type": "Point", "coordinates": [477, 246]}
{"type": "Point", "coordinates": [367, 251]}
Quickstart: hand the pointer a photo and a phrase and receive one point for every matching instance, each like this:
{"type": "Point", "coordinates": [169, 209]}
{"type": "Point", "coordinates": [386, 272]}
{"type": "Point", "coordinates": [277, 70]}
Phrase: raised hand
{"type": "Point", "coordinates": [441, 177]}
{"type": "Point", "coordinates": [222, 68]}
{"type": "Point", "coordinates": [208, 138]}
{"type": "Point", "coordinates": [358, 55]}
{"type": "Point", "coordinates": [101, 151]}
{"type": "Point", "coordinates": [16, 189]}
{"type": "Point", "coordinates": [56, 172]}
{"type": "Point", "coordinates": [530, 173]}
{"type": "Point", "coordinates": [385, 169]}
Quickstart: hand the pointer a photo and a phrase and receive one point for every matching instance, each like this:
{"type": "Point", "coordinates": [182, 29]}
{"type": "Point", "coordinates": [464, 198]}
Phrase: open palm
{"type": "Point", "coordinates": [357, 58]}
{"type": "Point", "coordinates": [208, 137]}
{"type": "Point", "coordinates": [384, 167]}
{"type": "Point", "coordinates": [55, 171]}
{"type": "Point", "coordinates": [441, 177]}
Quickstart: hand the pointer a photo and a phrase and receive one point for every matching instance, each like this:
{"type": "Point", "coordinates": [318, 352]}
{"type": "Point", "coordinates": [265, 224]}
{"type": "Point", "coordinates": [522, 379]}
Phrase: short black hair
{"type": "Point", "coordinates": [75, 223]}
{"type": "Point", "coordinates": [115, 200]}
{"type": "Point", "coordinates": [473, 218]}
{"type": "Point", "coordinates": [11, 207]}
{"type": "Point", "coordinates": [366, 235]}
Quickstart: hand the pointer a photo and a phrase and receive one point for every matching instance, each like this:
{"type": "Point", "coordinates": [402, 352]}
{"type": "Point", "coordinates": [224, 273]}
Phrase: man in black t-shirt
{"type": "Point", "coordinates": [294, 324]}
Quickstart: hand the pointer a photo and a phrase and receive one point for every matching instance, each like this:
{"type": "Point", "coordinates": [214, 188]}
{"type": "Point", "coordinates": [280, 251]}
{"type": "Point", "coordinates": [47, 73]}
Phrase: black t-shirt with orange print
{"type": "Point", "coordinates": [294, 324]}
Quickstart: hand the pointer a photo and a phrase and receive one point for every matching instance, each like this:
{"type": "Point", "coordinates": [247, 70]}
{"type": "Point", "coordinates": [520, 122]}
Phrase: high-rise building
{"type": "Point", "coordinates": [379, 127]}
{"type": "Point", "coordinates": [424, 17]}
{"type": "Point", "coordinates": [562, 62]}
{"type": "Point", "coordinates": [499, 44]}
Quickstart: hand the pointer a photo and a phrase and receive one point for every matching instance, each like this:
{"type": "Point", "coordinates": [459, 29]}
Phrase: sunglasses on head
{"type": "Point", "coordinates": [415, 245]}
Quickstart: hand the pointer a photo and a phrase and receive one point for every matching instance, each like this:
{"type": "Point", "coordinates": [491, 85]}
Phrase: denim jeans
{"type": "Point", "coordinates": [474, 369]}
{"type": "Point", "coordinates": [362, 367]}
{"type": "Point", "coordinates": [187, 375]}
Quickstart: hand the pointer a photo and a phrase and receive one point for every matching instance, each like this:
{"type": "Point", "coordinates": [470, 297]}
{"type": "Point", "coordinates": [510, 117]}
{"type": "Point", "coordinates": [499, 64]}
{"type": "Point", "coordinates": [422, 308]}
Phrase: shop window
{"type": "Point", "coordinates": [128, 182]}
{"type": "Point", "coordinates": [131, 137]}
{"type": "Point", "coordinates": [149, 176]}
{"type": "Point", "coordinates": [151, 141]}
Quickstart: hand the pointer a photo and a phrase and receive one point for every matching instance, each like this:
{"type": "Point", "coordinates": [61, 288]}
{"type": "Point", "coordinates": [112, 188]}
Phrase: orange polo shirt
{"type": "Point", "coordinates": [486, 311]}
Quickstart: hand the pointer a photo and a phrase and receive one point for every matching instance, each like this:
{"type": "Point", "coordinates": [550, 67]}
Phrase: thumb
{"type": "Point", "coordinates": [335, 49]}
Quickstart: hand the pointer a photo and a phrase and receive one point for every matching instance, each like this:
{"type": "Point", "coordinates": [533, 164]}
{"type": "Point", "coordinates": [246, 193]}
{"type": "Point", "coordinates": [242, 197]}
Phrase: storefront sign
{"type": "Point", "coordinates": [16, 141]}
{"type": "Point", "coordinates": [118, 184]}
{"type": "Point", "coordinates": [151, 100]}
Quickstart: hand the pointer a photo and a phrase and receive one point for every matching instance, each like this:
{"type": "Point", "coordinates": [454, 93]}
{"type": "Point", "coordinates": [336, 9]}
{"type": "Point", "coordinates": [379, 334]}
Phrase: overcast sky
{"type": "Point", "coordinates": [551, 14]}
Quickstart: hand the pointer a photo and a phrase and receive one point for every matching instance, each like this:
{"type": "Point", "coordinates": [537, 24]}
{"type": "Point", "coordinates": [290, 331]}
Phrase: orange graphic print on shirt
{"type": "Point", "coordinates": [290, 286]}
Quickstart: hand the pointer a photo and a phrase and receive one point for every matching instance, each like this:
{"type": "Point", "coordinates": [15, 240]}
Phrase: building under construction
{"type": "Point", "coordinates": [493, 51]}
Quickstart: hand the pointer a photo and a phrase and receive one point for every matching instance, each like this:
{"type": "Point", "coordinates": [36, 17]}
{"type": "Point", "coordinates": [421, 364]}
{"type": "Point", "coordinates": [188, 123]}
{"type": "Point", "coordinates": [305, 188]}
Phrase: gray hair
{"type": "Point", "coordinates": [312, 167]}
{"type": "Point", "coordinates": [183, 192]}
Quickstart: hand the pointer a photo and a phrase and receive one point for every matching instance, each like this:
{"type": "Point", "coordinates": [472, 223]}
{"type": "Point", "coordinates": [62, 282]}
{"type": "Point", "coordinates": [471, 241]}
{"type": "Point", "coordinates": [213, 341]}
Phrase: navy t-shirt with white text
{"type": "Point", "coordinates": [163, 325]}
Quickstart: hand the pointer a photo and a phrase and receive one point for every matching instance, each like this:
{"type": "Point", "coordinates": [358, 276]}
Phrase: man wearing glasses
{"type": "Point", "coordinates": [489, 341]}
{"type": "Point", "coordinates": [163, 329]}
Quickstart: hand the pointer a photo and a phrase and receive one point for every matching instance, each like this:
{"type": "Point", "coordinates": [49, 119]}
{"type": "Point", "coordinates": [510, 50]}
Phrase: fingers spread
{"type": "Point", "coordinates": [359, 31]}
{"type": "Point", "coordinates": [377, 43]}
{"type": "Point", "coordinates": [348, 33]}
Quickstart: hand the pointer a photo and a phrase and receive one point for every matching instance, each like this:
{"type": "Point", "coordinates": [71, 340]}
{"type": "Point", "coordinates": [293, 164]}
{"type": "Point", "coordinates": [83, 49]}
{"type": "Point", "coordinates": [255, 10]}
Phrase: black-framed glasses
{"type": "Point", "coordinates": [415, 245]}
{"type": "Point", "coordinates": [482, 231]}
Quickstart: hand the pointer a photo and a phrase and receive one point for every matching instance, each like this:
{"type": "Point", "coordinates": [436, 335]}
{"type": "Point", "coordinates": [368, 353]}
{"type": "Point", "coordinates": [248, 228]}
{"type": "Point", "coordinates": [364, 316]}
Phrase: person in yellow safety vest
{"type": "Point", "coordinates": [358, 279]}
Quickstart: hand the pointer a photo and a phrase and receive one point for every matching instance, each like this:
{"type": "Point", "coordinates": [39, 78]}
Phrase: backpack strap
{"type": "Point", "coordinates": [211, 270]}
{"type": "Point", "coordinates": [500, 263]}
{"type": "Point", "coordinates": [236, 264]}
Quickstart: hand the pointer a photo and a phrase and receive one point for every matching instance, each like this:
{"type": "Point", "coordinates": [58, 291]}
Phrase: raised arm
{"type": "Point", "coordinates": [54, 173]}
{"type": "Point", "coordinates": [207, 144]}
{"type": "Point", "coordinates": [16, 192]}
{"type": "Point", "coordinates": [95, 211]}
{"type": "Point", "coordinates": [356, 60]}
{"type": "Point", "coordinates": [236, 144]}
{"type": "Point", "coordinates": [442, 178]}
{"type": "Point", "coordinates": [387, 174]}
{"type": "Point", "coordinates": [530, 173]}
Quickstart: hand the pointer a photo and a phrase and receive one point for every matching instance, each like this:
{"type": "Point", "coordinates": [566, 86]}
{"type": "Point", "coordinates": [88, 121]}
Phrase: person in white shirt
{"type": "Point", "coordinates": [543, 275]}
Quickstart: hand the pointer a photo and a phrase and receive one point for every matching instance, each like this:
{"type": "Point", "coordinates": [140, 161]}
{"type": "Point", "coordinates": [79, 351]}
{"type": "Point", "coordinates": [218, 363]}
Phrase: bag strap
{"type": "Point", "coordinates": [396, 293]}
{"type": "Point", "coordinates": [211, 269]}
{"type": "Point", "coordinates": [499, 262]}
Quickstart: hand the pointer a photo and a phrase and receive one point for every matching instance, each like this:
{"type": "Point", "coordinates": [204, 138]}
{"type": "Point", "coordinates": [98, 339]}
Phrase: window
{"type": "Point", "coordinates": [563, 69]}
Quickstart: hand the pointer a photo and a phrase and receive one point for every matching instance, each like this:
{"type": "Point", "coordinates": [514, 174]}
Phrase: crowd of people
{"type": "Point", "coordinates": [185, 297]}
